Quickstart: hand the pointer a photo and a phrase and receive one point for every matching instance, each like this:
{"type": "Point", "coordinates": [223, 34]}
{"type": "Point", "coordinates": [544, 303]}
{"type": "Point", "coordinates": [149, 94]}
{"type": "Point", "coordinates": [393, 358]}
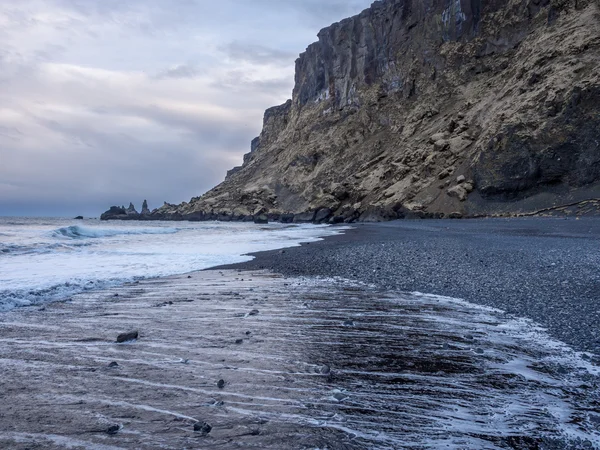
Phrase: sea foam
{"type": "Point", "coordinates": [51, 259]}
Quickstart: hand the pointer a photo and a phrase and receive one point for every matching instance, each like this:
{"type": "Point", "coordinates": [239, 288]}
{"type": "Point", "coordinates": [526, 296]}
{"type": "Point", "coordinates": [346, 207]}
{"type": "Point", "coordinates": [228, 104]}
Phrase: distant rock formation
{"type": "Point", "coordinates": [121, 213]}
{"type": "Point", "coordinates": [145, 210]}
{"type": "Point", "coordinates": [443, 108]}
{"type": "Point", "coordinates": [131, 210]}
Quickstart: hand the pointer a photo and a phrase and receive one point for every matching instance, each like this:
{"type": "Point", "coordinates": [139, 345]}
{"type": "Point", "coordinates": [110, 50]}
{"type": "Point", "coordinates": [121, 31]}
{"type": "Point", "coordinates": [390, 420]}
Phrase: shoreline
{"type": "Point", "coordinates": [268, 361]}
{"type": "Point", "coordinates": [543, 269]}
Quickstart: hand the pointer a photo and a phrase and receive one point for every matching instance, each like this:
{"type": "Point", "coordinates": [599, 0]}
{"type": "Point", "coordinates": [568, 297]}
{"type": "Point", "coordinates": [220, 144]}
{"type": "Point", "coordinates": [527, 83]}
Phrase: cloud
{"type": "Point", "coordinates": [258, 54]}
{"type": "Point", "coordinates": [179, 71]}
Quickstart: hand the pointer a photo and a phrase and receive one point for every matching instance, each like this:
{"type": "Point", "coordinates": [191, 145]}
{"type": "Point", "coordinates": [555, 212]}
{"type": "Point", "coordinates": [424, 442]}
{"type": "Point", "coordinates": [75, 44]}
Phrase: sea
{"type": "Point", "coordinates": [49, 259]}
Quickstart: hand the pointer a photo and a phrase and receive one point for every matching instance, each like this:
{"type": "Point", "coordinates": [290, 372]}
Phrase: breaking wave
{"type": "Point", "coordinates": [78, 232]}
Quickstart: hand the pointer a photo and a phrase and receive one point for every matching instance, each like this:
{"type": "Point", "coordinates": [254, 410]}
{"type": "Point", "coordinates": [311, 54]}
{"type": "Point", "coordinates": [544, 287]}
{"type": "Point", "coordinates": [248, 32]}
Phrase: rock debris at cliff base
{"type": "Point", "coordinates": [439, 109]}
{"type": "Point", "coordinates": [325, 363]}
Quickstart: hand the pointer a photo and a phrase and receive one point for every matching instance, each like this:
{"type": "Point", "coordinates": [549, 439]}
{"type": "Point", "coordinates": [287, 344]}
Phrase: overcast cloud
{"type": "Point", "coordinates": [104, 102]}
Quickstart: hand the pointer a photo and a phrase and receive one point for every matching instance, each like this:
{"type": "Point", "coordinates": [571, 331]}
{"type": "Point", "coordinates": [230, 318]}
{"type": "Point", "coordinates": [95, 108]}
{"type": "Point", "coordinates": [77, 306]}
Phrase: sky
{"type": "Point", "coordinates": [103, 102]}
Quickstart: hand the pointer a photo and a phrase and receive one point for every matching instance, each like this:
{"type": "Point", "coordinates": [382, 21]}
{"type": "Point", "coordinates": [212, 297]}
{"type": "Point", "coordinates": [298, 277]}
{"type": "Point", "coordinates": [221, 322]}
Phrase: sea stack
{"type": "Point", "coordinates": [145, 210]}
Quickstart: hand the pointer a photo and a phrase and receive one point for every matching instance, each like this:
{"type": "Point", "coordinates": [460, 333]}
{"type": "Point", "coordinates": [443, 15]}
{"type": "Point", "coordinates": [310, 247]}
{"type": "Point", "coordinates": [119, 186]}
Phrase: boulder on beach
{"type": "Point", "coordinates": [261, 219]}
{"type": "Point", "coordinates": [202, 427]}
{"type": "Point", "coordinates": [126, 337]}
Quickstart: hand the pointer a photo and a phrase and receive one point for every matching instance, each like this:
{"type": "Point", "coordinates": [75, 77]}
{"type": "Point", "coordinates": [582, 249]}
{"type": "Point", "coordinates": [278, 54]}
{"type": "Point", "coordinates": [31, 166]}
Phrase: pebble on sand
{"type": "Point", "coordinates": [126, 337]}
{"type": "Point", "coordinates": [113, 429]}
{"type": "Point", "coordinates": [202, 427]}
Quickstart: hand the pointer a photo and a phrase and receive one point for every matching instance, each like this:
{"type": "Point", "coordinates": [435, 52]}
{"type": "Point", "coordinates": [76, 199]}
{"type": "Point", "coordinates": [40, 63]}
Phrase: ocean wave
{"type": "Point", "coordinates": [15, 249]}
{"type": "Point", "coordinates": [60, 292]}
{"type": "Point", "coordinates": [78, 232]}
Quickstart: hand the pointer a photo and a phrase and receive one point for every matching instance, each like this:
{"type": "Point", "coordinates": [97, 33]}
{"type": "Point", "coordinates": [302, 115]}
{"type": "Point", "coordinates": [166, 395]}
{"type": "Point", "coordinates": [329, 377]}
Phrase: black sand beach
{"type": "Point", "coordinates": [544, 269]}
{"type": "Point", "coordinates": [250, 359]}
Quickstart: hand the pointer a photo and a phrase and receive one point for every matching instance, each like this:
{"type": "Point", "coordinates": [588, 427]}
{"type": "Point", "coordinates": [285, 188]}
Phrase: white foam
{"type": "Point", "coordinates": [77, 232]}
{"type": "Point", "coordinates": [43, 261]}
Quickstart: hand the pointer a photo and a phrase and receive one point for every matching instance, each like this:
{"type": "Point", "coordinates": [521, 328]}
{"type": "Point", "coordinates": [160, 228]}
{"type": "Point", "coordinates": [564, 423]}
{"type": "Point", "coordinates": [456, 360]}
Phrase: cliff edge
{"type": "Point", "coordinates": [437, 108]}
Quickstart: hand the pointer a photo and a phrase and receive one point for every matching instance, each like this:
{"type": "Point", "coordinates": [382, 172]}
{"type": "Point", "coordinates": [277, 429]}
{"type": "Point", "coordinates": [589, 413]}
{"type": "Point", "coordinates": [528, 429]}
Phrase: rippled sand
{"type": "Point", "coordinates": [306, 363]}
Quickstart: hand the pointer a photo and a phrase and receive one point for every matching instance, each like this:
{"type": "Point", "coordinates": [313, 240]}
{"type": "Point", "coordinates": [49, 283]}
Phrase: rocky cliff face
{"type": "Point", "coordinates": [429, 108]}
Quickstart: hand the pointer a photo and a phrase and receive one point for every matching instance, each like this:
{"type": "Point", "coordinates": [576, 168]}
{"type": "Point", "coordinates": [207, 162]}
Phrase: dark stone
{"type": "Point", "coordinates": [221, 384]}
{"type": "Point", "coordinates": [254, 312]}
{"type": "Point", "coordinates": [113, 429]}
{"type": "Point", "coordinates": [286, 218]}
{"type": "Point", "coordinates": [378, 214]}
{"type": "Point", "coordinates": [113, 364]}
{"type": "Point", "coordinates": [239, 341]}
{"type": "Point", "coordinates": [322, 215]}
{"type": "Point", "coordinates": [336, 220]}
{"type": "Point", "coordinates": [125, 337]}
{"type": "Point", "coordinates": [261, 219]}
{"type": "Point", "coordinates": [202, 427]}
{"type": "Point", "coordinates": [306, 217]}
{"type": "Point", "coordinates": [79, 218]}
{"type": "Point", "coordinates": [565, 153]}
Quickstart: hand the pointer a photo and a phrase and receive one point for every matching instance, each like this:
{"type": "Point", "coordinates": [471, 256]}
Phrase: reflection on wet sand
{"type": "Point", "coordinates": [252, 360]}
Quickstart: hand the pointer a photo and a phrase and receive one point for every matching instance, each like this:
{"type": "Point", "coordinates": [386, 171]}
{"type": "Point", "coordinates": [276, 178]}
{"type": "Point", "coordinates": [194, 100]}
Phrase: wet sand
{"type": "Point", "coordinates": [305, 363]}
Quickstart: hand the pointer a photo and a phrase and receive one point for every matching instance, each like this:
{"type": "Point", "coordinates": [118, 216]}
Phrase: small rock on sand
{"type": "Point", "coordinates": [113, 429]}
{"type": "Point", "coordinates": [254, 312]}
{"type": "Point", "coordinates": [125, 337]}
{"type": "Point", "coordinates": [239, 341]}
{"type": "Point", "coordinates": [221, 384]}
{"type": "Point", "coordinates": [340, 396]}
{"type": "Point", "coordinates": [202, 427]}
{"type": "Point", "coordinates": [113, 364]}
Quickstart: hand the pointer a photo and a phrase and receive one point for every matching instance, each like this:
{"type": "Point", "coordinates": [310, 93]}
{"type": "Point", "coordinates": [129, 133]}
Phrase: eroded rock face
{"type": "Point", "coordinates": [130, 213]}
{"type": "Point", "coordinates": [392, 106]}
{"type": "Point", "coordinates": [145, 209]}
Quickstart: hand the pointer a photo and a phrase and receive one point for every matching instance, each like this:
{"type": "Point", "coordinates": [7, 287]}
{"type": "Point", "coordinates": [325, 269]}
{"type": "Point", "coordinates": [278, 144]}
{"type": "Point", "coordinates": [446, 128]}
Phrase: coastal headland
{"type": "Point", "coordinates": [440, 109]}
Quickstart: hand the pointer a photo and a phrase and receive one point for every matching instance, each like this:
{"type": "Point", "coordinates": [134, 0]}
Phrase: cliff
{"type": "Point", "coordinates": [435, 108]}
